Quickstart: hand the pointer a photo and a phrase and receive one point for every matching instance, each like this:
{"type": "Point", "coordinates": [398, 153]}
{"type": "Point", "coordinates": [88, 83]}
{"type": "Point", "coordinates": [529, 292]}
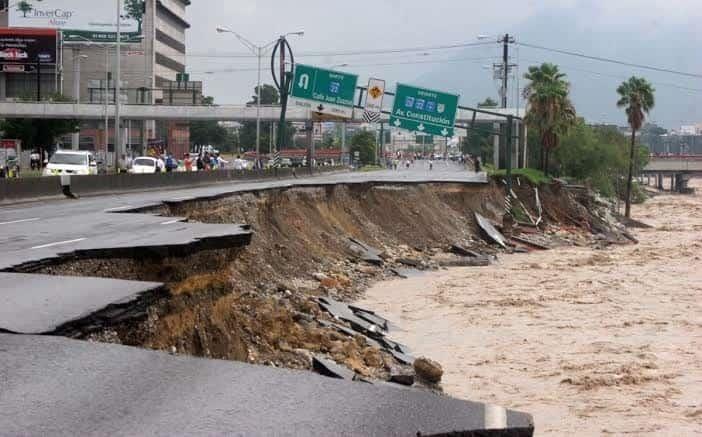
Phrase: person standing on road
{"type": "Point", "coordinates": [187, 162]}
{"type": "Point", "coordinates": [35, 160]}
{"type": "Point", "coordinates": [431, 164]}
{"type": "Point", "coordinates": [477, 164]}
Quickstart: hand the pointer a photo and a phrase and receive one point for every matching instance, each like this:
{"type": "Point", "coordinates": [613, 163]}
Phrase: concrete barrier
{"type": "Point", "coordinates": [14, 190]}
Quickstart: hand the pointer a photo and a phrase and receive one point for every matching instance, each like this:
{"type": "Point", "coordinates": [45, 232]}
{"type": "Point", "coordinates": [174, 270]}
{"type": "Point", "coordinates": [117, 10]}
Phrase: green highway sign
{"type": "Point", "coordinates": [324, 91]}
{"type": "Point", "coordinates": [423, 110]}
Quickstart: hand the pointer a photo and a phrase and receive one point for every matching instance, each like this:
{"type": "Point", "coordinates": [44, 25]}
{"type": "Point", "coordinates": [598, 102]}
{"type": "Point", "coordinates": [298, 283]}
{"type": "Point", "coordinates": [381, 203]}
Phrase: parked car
{"type": "Point", "coordinates": [144, 164]}
{"type": "Point", "coordinates": [75, 162]}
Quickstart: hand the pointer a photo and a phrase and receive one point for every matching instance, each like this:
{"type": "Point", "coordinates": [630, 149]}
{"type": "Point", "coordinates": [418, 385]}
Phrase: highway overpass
{"type": "Point", "coordinates": [88, 111]}
{"type": "Point", "coordinates": [679, 168]}
{"type": "Point", "coordinates": [674, 164]}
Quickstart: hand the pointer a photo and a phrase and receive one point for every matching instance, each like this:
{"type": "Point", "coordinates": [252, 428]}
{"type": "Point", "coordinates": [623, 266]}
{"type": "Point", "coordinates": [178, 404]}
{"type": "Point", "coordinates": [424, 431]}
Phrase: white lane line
{"type": "Point", "coordinates": [58, 243]}
{"type": "Point", "coordinates": [178, 199]}
{"type": "Point", "coordinates": [118, 208]}
{"type": "Point", "coordinates": [21, 221]}
{"type": "Point", "coordinates": [170, 222]}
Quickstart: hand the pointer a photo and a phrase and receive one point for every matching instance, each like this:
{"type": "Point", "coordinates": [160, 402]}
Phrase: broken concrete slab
{"type": "Point", "coordinates": [530, 242]}
{"type": "Point", "coordinates": [461, 250]}
{"type": "Point", "coordinates": [410, 262]}
{"type": "Point", "coordinates": [490, 231]}
{"type": "Point", "coordinates": [57, 386]}
{"type": "Point", "coordinates": [402, 358]}
{"type": "Point", "coordinates": [370, 316]}
{"type": "Point", "coordinates": [365, 252]}
{"type": "Point", "coordinates": [480, 261]}
{"type": "Point", "coordinates": [402, 378]}
{"type": "Point", "coordinates": [331, 369]}
{"type": "Point", "coordinates": [30, 304]}
{"type": "Point", "coordinates": [342, 311]}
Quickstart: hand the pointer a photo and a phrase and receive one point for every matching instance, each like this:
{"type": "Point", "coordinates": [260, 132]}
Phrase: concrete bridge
{"type": "Point", "coordinates": [680, 169]}
{"type": "Point", "coordinates": [89, 111]}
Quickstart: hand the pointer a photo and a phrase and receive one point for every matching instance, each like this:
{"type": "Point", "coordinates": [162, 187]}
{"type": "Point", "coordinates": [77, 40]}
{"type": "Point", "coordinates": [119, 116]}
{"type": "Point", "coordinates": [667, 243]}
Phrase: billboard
{"type": "Point", "coordinates": [22, 47]}
{"type": "Point", "coordinates": [79, 20]}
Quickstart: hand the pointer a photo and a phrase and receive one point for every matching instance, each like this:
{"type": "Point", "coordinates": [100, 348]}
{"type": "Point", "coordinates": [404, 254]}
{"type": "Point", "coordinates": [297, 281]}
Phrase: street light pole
{"type": "Point", "coordinates": [118, 91]}
{"type": "Point", "coordinates": [257, 163]}
{"type": "Point", "coordinates": [77, 58]}
{"type": "Point", "coordinates": [259, 51]}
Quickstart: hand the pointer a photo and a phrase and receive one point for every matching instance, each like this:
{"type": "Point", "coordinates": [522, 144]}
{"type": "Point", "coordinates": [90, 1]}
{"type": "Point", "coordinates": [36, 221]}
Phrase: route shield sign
{"type": "Point", "coordinates": [324, 91]}
{"type": "Point", "coordinates": [423, 110]}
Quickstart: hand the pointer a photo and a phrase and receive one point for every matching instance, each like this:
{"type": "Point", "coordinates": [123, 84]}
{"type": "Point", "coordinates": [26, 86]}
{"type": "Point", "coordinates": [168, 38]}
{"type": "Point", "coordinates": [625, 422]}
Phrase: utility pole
{"type": "Point", "coordinates": [505, 67]}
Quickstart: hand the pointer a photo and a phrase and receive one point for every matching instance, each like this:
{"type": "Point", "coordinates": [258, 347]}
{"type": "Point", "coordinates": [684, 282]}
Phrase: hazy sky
{"type": "Point", "coordinates": [650, 32]}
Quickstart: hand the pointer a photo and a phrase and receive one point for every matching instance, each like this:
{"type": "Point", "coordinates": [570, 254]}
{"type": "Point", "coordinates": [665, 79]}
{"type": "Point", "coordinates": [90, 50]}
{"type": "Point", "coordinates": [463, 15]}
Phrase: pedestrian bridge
{"type": "Point", "coordinates": [88, 111]}
{"type": "Point", "coordinates": [674, 164]}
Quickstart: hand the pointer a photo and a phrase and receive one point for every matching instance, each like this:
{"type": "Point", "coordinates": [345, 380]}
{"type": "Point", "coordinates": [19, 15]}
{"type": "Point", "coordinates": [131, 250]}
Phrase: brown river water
{"type": "Point", "coordinates": [591, 342]}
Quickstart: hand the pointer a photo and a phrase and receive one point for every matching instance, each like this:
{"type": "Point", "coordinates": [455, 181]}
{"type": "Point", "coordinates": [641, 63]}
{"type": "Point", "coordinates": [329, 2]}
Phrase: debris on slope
{"type": "Point", "coordinates": [283, 300]}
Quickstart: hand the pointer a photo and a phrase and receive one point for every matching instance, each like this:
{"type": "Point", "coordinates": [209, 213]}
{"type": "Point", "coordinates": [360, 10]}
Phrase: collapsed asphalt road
{"type": "Point", "coordinates": [57, 386]}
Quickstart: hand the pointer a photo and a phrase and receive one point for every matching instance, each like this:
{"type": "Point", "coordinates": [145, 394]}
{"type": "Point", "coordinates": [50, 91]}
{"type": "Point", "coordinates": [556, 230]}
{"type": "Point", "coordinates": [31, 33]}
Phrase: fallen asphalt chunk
{"type": "Point", "coordinates": [365, 252]}
{"type": "Point", "coordinates": [480, 261]}
{"type": "Point", "coordinates": [531, 243]}
{"type": "Point", "coordinates": [57, 386]}
{"type": "Point", "coordinates": [461, 250]}
{"type": "Point", "coordinates": [489, 230]}
{"type": "Point", "coordinates": [402, 378]}
{"type": "Point", "coordinates": [329, 368]}
{"type": "Point", "coordinates": [30, 304]}
{"type": "Point", "coordinates": [342, 311]}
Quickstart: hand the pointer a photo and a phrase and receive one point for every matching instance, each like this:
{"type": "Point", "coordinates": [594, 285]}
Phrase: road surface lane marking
{"type": "Point", "coordinates": [118, 208]}
{"type": "Point", "coordinates": [171, 222]}
{"type": "Point", "coordinates": [58, 243]}
{"type": "Point", "coordinates": [21, 221]}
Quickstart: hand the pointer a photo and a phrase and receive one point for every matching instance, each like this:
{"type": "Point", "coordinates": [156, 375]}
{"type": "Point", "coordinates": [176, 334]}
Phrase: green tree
{"type": "Point", "coordinates": [550, 111]}
{"type": "Point", "coordinates": [135, 10]}
{"type": "Point", "coordinates": [364, 142]}
{"type": "Point", "coordinates": [478, 141]}
{"type": "Point", "coordinates": [488, 103]}
{"type": "Point", "coordinates": [269, 96]}
{"type": "Point", "coordinates": [210, 132]}
{"type": "Point", "coordinates": [37, 133]}
{"type": "Point", "coordinates": [25, 7]}
{"type": "Point", "coordinates": [637, 96]}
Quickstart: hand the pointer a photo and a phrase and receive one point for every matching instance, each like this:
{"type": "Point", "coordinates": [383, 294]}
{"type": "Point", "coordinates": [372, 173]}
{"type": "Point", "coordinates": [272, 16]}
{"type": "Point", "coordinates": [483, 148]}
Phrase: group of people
{"type": "Point", "coordinates": [166, 162]}
{"type": "Point", "coordinates": [203, 161]}
{"type": "Point", "coordinates": [407, 160]}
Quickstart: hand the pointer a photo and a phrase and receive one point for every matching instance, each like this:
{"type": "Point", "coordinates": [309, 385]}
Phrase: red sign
{"type": "Point", "coordinates": [27, 46]}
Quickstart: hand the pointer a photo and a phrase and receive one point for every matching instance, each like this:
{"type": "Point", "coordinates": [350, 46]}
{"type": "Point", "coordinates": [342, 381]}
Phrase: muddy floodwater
{"type": "Point", "coordinates": [591, 342]}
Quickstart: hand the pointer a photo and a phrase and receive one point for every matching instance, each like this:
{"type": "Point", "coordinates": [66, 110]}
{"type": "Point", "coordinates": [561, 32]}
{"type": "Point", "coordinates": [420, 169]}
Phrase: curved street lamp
{"type": "Point", "coordinates": [259, 51]}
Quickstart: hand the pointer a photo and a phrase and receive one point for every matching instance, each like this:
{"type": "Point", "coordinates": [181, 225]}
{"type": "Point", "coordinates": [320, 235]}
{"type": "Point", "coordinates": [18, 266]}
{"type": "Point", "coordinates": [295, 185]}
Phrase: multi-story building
{"type": "Point", "coordinates": [150, 66]}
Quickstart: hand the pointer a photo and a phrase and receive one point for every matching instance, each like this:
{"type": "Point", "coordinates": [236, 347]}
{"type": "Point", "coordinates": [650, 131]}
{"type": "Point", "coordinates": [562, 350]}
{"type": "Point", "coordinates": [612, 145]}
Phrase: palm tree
{"type": "Point", "coordinates": [636, 94]}
{"type": "Point", "coordinates": [550, 111]}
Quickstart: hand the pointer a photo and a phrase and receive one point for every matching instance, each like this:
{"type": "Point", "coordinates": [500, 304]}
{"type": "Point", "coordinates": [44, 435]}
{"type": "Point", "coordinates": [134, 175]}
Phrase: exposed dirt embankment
{"type": "Point", "coordinates": [259, 303]}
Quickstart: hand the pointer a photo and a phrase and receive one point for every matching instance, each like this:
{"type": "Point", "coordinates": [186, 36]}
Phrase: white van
{"type": "Point", "coordinates": [72, 162]}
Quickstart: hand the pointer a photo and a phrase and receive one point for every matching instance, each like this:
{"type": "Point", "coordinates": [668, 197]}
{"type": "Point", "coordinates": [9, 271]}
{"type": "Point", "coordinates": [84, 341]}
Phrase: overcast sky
{"type": "Point", "coordinates": [659, 33]}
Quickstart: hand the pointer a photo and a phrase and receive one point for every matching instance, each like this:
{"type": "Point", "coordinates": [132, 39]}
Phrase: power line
{"type": "Point", "coordinates": [611, 61]}
{"type": "Point", "coordinates": [437, 61]}
{"type": "Point", "coordinates": [349, 52]}
{"type": "Point", "coordinates": [597, 73]}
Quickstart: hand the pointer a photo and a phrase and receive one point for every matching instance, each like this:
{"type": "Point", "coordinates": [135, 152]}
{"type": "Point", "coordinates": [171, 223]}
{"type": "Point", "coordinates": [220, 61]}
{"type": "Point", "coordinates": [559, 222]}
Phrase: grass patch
{"type": "Point", "coordinates": [536, 177]}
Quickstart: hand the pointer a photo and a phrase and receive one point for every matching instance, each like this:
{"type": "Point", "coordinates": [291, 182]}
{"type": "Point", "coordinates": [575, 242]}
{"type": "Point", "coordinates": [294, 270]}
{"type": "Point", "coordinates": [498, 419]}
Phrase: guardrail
{"type": "Point", "coordinates": [16, 190]}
